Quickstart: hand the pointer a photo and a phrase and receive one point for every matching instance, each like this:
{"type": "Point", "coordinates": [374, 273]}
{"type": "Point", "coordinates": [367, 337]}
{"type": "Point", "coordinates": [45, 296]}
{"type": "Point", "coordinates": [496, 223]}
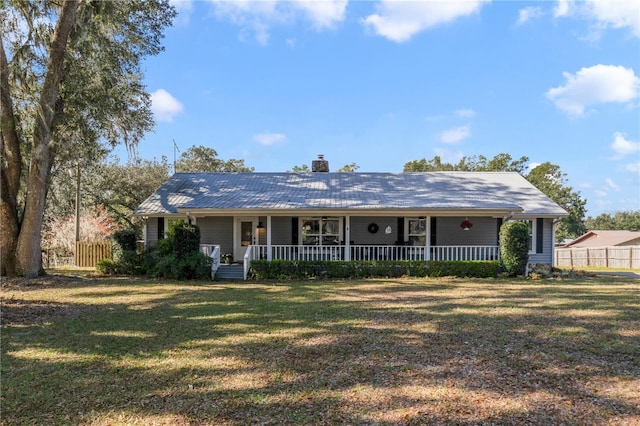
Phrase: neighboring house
{"type": "Point", "coordinates": [606, 239]}
{"type": "Point", "coordinates": [353, 216]}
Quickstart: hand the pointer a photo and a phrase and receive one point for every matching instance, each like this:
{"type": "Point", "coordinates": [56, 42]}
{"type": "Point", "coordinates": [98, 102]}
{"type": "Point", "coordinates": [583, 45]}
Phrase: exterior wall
{"type": "Point", "coordinates": [483, 233]}
{"type": "Point", "coordinates": [152, 230]}
{"type": "Point", "coordinates": [217, 230]}
{"type": "Point", "coordinates": [361, 235]}
{"type": "Point", "coordinates": [280, 230]}
{"type": "Point", "coordinates": [547, 244]}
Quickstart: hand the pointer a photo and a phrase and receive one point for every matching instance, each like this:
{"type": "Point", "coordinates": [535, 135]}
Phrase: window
{"type": "Point", "coordinates": [531, 225]}
{"type": "Point", "coordinates": [416, 231]}
{"type": "Point", "coordinates": [321, 231]}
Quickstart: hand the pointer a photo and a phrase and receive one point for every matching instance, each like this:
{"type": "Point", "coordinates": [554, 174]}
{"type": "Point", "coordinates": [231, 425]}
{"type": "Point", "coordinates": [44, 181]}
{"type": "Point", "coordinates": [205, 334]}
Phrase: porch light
{"type": "Point", "coordinates": [260, 225]}
{"type": "Point", "coordinates": [465, 224]}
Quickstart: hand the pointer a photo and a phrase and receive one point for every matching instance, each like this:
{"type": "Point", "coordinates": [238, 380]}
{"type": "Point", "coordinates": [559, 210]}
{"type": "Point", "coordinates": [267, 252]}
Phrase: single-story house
{"type": "Point", "coordinates": [614, 238]}
{"type": "Point", "coordinates": [352, 216]}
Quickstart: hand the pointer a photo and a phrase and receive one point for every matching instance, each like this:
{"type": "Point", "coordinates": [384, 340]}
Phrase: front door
{"type": "Point", "coordinates": [245, 236]}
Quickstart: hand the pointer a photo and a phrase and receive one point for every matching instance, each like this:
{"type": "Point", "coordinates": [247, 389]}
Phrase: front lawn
{"type": "Point", "coordinates": [386, 352]}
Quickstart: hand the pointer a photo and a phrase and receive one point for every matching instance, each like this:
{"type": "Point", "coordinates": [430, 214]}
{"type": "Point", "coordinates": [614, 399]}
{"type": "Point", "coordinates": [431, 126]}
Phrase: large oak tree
{"type": "Point", "coordinates": [71, 87]}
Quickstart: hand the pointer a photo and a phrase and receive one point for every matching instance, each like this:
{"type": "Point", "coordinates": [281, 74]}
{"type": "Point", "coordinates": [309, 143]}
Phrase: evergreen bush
{"type": "Point", "coordinates": [514, 247]}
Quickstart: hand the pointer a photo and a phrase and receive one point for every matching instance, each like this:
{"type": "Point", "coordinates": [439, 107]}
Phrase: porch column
{"type": "Point", "coordinates": [427, 249]}
{"type": "Point", "coordinates": [145, 233]}
{"type": "Point", "coordinates": [269, 256]}
{"type": "Point", "coordinates": [347, 238]}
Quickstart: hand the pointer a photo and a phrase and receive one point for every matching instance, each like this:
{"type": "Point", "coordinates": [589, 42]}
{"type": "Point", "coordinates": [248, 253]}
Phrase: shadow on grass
{"type": "Point", "coordinates": [363, 352]}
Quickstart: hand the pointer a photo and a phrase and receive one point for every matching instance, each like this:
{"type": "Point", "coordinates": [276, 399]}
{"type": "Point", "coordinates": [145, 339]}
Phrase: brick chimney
{"type": "Point", "coordinates": [320, 165]}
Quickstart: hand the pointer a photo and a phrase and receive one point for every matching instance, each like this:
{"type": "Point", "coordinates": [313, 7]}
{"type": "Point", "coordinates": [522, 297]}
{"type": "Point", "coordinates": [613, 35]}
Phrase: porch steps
{"type": "Point", "coordinates": [230, 272]}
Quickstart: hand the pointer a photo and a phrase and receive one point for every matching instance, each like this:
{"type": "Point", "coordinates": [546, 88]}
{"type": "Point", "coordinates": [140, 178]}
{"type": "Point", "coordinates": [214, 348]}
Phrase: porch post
{"type": "Point", "coordinates": [347, 238]}
{"type": "Point", "coordinates": [269, 256]}
{"type": "Point", "coordinates": [145, 233]}
{"type": "Point", "coordinates": [427, 249]}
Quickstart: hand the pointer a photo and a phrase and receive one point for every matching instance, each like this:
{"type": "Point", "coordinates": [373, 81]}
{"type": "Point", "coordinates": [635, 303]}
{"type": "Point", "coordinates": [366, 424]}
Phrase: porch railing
{"type": "Point", "coordinates": [375, 252]}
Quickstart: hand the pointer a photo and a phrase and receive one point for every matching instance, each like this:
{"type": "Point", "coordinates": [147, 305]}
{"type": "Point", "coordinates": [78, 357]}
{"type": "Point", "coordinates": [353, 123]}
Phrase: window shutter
{"type": "Point", "coordinates": [434, 224]}
{"type": "Point", "coordinates": [539, 235]}
{"type": "Point", "coordinates": [294, 231]}
{"type": "Point", "coordinates": [499, 223]}
{"type": "Point", "coordinates": [160, 228]}
{"type": "Point", "coordinates": [400, 230]}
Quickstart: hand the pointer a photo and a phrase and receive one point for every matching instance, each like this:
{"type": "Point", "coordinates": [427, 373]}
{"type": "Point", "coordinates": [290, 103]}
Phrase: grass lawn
{"type": "Point", "coordinates": [108, 351]}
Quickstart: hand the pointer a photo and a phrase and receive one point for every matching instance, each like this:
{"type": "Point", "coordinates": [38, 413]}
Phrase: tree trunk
{"type": "Point", "coordinates": [28, 250]}
{"type": "Point", "coordinates": [10, 172]}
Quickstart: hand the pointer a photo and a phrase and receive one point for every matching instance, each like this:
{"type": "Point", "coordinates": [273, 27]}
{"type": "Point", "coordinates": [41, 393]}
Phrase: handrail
{"type": "Point", "coordinates": [246, 262]}
{"type": "Point", "coordinates": [213, 251]}
{"type": "Point", "coordinates": [375, 252]}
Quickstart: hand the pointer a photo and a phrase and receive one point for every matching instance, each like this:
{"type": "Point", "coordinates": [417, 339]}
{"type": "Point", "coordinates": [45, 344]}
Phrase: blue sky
{"type": "Point", "coordinates": [381, 83]}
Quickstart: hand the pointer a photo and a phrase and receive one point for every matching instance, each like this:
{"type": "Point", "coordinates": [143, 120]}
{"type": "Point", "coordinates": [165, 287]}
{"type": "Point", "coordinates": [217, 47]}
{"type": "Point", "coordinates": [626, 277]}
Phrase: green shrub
{"type": "Point", "coordinates": [293, 269]}
{"type": "Point", "coordinates": [514, 247]}
{"type": "Point", "coordinates": [107, 267]}
{"type": "Point", "coordinates": [184, 237]}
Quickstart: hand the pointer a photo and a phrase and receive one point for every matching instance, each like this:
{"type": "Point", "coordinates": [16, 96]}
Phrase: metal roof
{"type": "Point", "coordinates": [282, 192]}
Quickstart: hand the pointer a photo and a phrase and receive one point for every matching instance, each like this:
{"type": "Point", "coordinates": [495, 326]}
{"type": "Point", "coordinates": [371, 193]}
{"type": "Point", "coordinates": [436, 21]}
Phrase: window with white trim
{"type": "Point", "coordinates": [321, 231]}
{"type": "Point", "coordinates": [416, 230]}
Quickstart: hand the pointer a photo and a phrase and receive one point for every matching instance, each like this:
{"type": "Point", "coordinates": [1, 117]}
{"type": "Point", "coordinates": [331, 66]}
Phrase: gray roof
{"type": "Point", "coordinates": [282, 192]}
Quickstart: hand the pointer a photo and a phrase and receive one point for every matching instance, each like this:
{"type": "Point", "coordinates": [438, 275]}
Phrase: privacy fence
{"type": "Point", "coordinates": [601, 257]}
{"type": "Point", "coordinates": [89, 253]}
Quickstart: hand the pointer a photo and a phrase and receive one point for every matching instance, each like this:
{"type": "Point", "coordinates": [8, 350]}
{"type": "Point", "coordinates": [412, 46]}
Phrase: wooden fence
{"type": "Point", "coordinates": [627, 257]}
{"type": "Point", "coordinates": [88, 253]}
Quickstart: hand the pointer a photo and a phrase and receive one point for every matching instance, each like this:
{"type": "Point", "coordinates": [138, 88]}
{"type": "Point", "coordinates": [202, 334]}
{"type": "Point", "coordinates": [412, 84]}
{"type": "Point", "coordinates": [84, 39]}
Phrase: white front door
{"type": "Point", "coordinates": [245, 236]}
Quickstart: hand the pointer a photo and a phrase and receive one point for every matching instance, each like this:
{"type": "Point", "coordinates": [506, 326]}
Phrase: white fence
{"type": "Point", "coordinates": [627, 257]}
{"type": "Point", "coordinates": [376, 252]}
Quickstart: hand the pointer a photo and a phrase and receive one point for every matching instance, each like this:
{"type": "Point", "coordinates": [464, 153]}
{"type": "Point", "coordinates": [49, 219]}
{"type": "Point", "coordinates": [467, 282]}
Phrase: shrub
{"type": "Point", "coordinates": [121, 242]}
{"type": "Point", "coordinates": [514, 247]}
{"type": "Point", "coordinates": [184, 237]}
{"type": "Point", "coordinates": [107, 267]}
{"type": "Point", "coordinates": [293, 269]}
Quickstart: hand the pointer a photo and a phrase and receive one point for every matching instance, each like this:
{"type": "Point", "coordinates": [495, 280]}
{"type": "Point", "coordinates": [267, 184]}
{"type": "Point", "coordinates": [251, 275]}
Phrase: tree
{"type": "Point", "coordinates": [348, 168]}
{"type": "Point", "coordinates": [552, 182]}
{"type": "Point", "coordinates": [71, 87]}
{"type": "Point", "coordinates": [204, 159]}
{"type": "Point", "coordinates": [547, 177]}
{"type": "Point", "coordinates": [629, 221]}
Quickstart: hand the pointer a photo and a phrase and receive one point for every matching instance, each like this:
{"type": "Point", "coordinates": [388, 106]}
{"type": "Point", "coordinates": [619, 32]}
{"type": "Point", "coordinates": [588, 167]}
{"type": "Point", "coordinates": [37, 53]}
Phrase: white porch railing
{"type": "Point", "coordinates": [213, 251]}
{"type": "Point", "coordinates": [374, 252]}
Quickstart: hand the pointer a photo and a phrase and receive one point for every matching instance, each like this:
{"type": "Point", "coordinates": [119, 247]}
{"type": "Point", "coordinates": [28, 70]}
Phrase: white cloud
{"type": "Point", "coordinates": [467, 113]}
{"type": "Point", "coordinates": [594, 85]}
{"type": "Point", "coordinates": [633, 167]}
{"type": "Point", "coordinates": [184, 8]}
{"type": "Point", "coordinates": [257, 17]}
{"type": "Point", "coordinates": [612, 185]}
{"type": "Point", "coordinates": [528, 13]}
{"type": "Point", "coordinates": [269, 138]}
{"type": "Point", "coordinates": [455, 135]}
{"type": "Point", "coordinates": [164, 106]}
{"type": "Point", "coordinates": [563, 8]}
{"type": "Point", "coordinates": [400, 20]}
{"type": "Point", "coordinates": [615, 14]}
{"type": "Point", "coordinates": [622, 146]}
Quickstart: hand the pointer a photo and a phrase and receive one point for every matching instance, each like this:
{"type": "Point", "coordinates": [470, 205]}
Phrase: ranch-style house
{"type": "Point", "coordinates": [320, 215]}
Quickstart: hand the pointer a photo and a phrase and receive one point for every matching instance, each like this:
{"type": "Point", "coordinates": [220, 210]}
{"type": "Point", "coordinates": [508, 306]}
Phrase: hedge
{"type": "Point", "coordinates": [294, 269]}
